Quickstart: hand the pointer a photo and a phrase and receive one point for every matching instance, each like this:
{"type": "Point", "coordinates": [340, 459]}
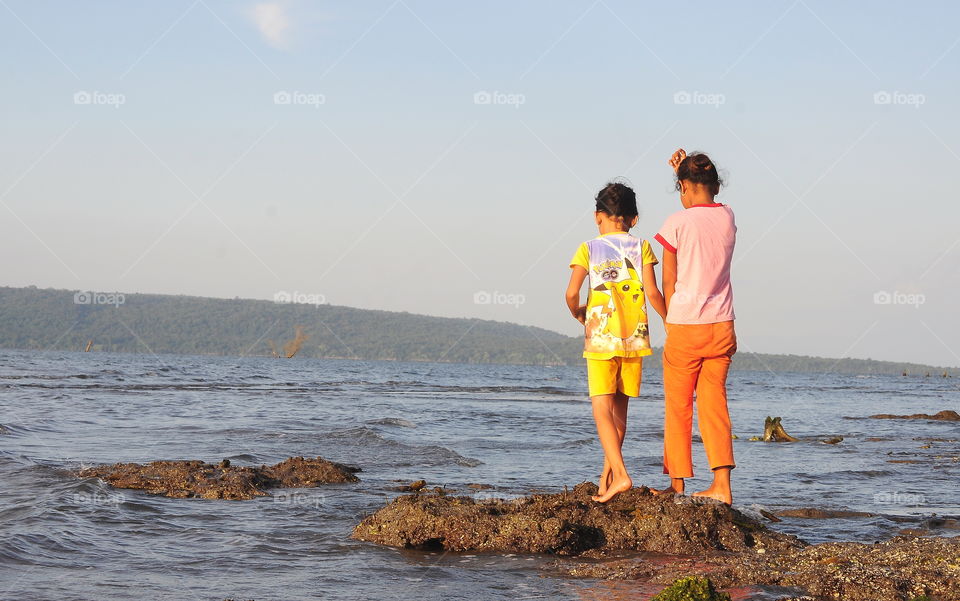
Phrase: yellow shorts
{"type": "Point", "coordinates": [608, 376]}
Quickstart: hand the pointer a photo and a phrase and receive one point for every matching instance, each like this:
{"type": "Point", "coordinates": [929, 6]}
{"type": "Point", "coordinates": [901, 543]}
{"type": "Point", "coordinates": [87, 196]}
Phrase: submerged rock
{"type": "Point", "coordinates": [569, 523]}
{"type": "Point", "coordinates": [943, 416]}
{"type": "Point", "coordinates": [188, 479]}
{"type": "Point", "coordinates": [822, 514]}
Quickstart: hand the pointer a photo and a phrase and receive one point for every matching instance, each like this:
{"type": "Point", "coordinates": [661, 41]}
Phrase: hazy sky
{"type": "Point", "coordinates": [145, 148]}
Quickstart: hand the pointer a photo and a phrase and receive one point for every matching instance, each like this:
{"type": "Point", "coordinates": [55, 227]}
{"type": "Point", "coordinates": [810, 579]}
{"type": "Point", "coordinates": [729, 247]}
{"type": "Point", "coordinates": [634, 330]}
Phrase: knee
{"type": "Point", "coordinates": [602, 401]}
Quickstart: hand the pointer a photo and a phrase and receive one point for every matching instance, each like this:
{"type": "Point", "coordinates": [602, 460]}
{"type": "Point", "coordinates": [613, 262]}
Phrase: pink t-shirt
{"type": "Point", "coordinates": [703, 238]}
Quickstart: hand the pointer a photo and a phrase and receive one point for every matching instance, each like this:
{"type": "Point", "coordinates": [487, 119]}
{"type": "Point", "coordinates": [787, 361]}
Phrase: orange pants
{"type": "Point", "coordinates": [696, 357]}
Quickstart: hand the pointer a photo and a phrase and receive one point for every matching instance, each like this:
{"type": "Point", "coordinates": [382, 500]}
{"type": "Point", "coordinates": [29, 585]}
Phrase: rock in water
{"type": "Point", "coordinates": [691, 588]}
{"type": "Point", "coordinates": [189, 479]}
{"type": "Point", "coordinates": [773, 431]}
{"type": "Point", "coordinates": [569, 523]}
{"type": "Point", "coordinates": [946, 415]}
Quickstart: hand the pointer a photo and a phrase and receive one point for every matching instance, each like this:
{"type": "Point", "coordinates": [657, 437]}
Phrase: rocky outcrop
{"type": "Point", "coordinates": [188, 479]}
{"type": "Point", "coordinates": [946, 415]}
{"type": "Point", "coordinates": [690, 540]}
{"type": "Point", "coordinates": [569, 523]}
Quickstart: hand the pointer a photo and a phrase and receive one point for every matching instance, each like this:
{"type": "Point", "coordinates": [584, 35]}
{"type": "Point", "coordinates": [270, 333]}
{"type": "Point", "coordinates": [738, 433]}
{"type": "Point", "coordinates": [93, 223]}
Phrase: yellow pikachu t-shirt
{"type": "Point", "coordinates": [616, 323]}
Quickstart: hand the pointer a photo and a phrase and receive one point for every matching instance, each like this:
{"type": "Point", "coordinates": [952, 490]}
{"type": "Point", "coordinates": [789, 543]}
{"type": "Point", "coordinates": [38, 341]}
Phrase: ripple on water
{"type": "Point", "coordinates": [392, 421]}
{"type": "Point", "coordinates": [370, 444]}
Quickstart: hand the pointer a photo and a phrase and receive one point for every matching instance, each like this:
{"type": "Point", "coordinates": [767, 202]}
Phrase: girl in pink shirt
{"type": "Point", "coordinates": [698, 244]}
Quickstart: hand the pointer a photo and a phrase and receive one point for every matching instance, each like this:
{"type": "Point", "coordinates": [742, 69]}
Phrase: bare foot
{"type": "Point", "coordinates": [617, 487]}
{"type": "Point", "coordinates": [719, 493]}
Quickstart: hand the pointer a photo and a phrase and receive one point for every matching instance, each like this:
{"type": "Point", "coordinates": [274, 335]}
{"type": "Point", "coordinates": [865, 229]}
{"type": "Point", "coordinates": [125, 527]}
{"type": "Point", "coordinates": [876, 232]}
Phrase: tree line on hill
{"type": "Point", "coordinates": [49, 319]}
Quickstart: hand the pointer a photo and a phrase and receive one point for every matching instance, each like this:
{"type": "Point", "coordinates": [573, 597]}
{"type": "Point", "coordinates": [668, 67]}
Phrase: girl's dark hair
{"type": "Point", "coordinates": [697, 168]}
{"type": "Point", "coordinates": [617, 200]}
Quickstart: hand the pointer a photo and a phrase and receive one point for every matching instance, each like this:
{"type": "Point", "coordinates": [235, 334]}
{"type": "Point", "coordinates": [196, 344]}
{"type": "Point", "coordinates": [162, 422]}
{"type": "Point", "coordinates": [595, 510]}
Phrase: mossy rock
{"type": "Point", "coordinates": [569, 524]}
{"type": "Point", "coordinates": [691, 588]}
{"type": "Point", "coordinates": [196, 479]}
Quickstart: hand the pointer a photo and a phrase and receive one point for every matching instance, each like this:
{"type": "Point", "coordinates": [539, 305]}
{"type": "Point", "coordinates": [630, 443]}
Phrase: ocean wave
{"type": "Point", "coordinates": [392, 421]}
{"type": "Point", "coordinates": [247, 458]}
{"type": "Point", "coordinates": [379, 449]}
{"type": "Point", "coordinates": [862, 474]}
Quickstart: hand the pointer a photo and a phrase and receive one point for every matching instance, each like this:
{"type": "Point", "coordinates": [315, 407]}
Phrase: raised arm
{"type": "Point", "coordinates": [577, 275]}
{"type": "Point", "coordinates": [676, 158]}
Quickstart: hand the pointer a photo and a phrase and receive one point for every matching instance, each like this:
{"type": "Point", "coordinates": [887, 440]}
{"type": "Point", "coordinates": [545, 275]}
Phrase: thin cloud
{"type": "Point", "coordinates": [272, 21]}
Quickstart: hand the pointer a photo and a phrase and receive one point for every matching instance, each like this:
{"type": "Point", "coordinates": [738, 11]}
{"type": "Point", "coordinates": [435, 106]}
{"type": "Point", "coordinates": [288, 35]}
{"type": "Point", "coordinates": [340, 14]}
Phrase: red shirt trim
{"type": "Point", "coordinates": [711, 204]}
{"type": "Point", "coordinates": [666, 245]}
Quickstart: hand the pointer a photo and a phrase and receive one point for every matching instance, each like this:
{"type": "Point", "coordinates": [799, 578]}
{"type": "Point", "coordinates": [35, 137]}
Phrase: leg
{"type": "Point", "coordinates": [681, 370]}
{"type": "Point", "coordinates": [606, 474]}
{"type": "Point", "coordinates": [610, 439]}
{"type": "Point", "coordinates": [676, 487]}
{"type": "Point", "coordinates": [620, 404]}
{"type": "Point", "coordinates": [714, 416]}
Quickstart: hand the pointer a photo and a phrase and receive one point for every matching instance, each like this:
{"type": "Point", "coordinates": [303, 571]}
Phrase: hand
{"type": "Point", "coordinates": [581, 314]}
{"type": "Point", "coordinates": [677, 158]}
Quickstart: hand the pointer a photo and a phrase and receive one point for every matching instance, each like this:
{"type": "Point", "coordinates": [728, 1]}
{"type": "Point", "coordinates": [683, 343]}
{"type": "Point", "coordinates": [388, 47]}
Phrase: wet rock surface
{"type": "Point", "coordinates": [569, 523]}
{"type": "Point", "coordinates": [900, 569]}
{"type": "Point", "coordinates": [946, 415]}
{"type": "Point", "coordinates": [196, 479]}
{"type": "Point", "coordinates": [815, 513]}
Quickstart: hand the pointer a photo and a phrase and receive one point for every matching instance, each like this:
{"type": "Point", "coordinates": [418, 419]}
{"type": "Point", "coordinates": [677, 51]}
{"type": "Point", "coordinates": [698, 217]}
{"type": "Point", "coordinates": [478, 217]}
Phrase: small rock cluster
{"type": "Point", "coordinates": [196, 479]}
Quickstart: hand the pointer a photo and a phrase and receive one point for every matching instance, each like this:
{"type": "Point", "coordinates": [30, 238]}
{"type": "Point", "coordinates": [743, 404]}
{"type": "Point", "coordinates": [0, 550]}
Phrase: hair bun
{"type": "Point", "coordinates": [698, 169]}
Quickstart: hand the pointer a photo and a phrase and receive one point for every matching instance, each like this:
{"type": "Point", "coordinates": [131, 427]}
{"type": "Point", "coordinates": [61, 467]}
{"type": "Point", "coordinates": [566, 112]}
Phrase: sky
{"type": "Point", "coordinates": [442, 157]}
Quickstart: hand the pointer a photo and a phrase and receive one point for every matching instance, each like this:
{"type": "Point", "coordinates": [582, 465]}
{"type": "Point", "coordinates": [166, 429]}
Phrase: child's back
{"type": "Point", "coordinates": [703, 238]}
{"type": "Point", "coordinates": [616, 314]}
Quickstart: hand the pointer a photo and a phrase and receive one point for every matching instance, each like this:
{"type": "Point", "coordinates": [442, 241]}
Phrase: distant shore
{"type": "Point", "coordinates": [35, 319]}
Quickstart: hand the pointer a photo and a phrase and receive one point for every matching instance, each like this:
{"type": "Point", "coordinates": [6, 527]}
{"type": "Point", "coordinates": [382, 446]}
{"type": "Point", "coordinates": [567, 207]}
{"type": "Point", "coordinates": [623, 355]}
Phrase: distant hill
{"type": "Point", "coordinates": [33, 318]}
